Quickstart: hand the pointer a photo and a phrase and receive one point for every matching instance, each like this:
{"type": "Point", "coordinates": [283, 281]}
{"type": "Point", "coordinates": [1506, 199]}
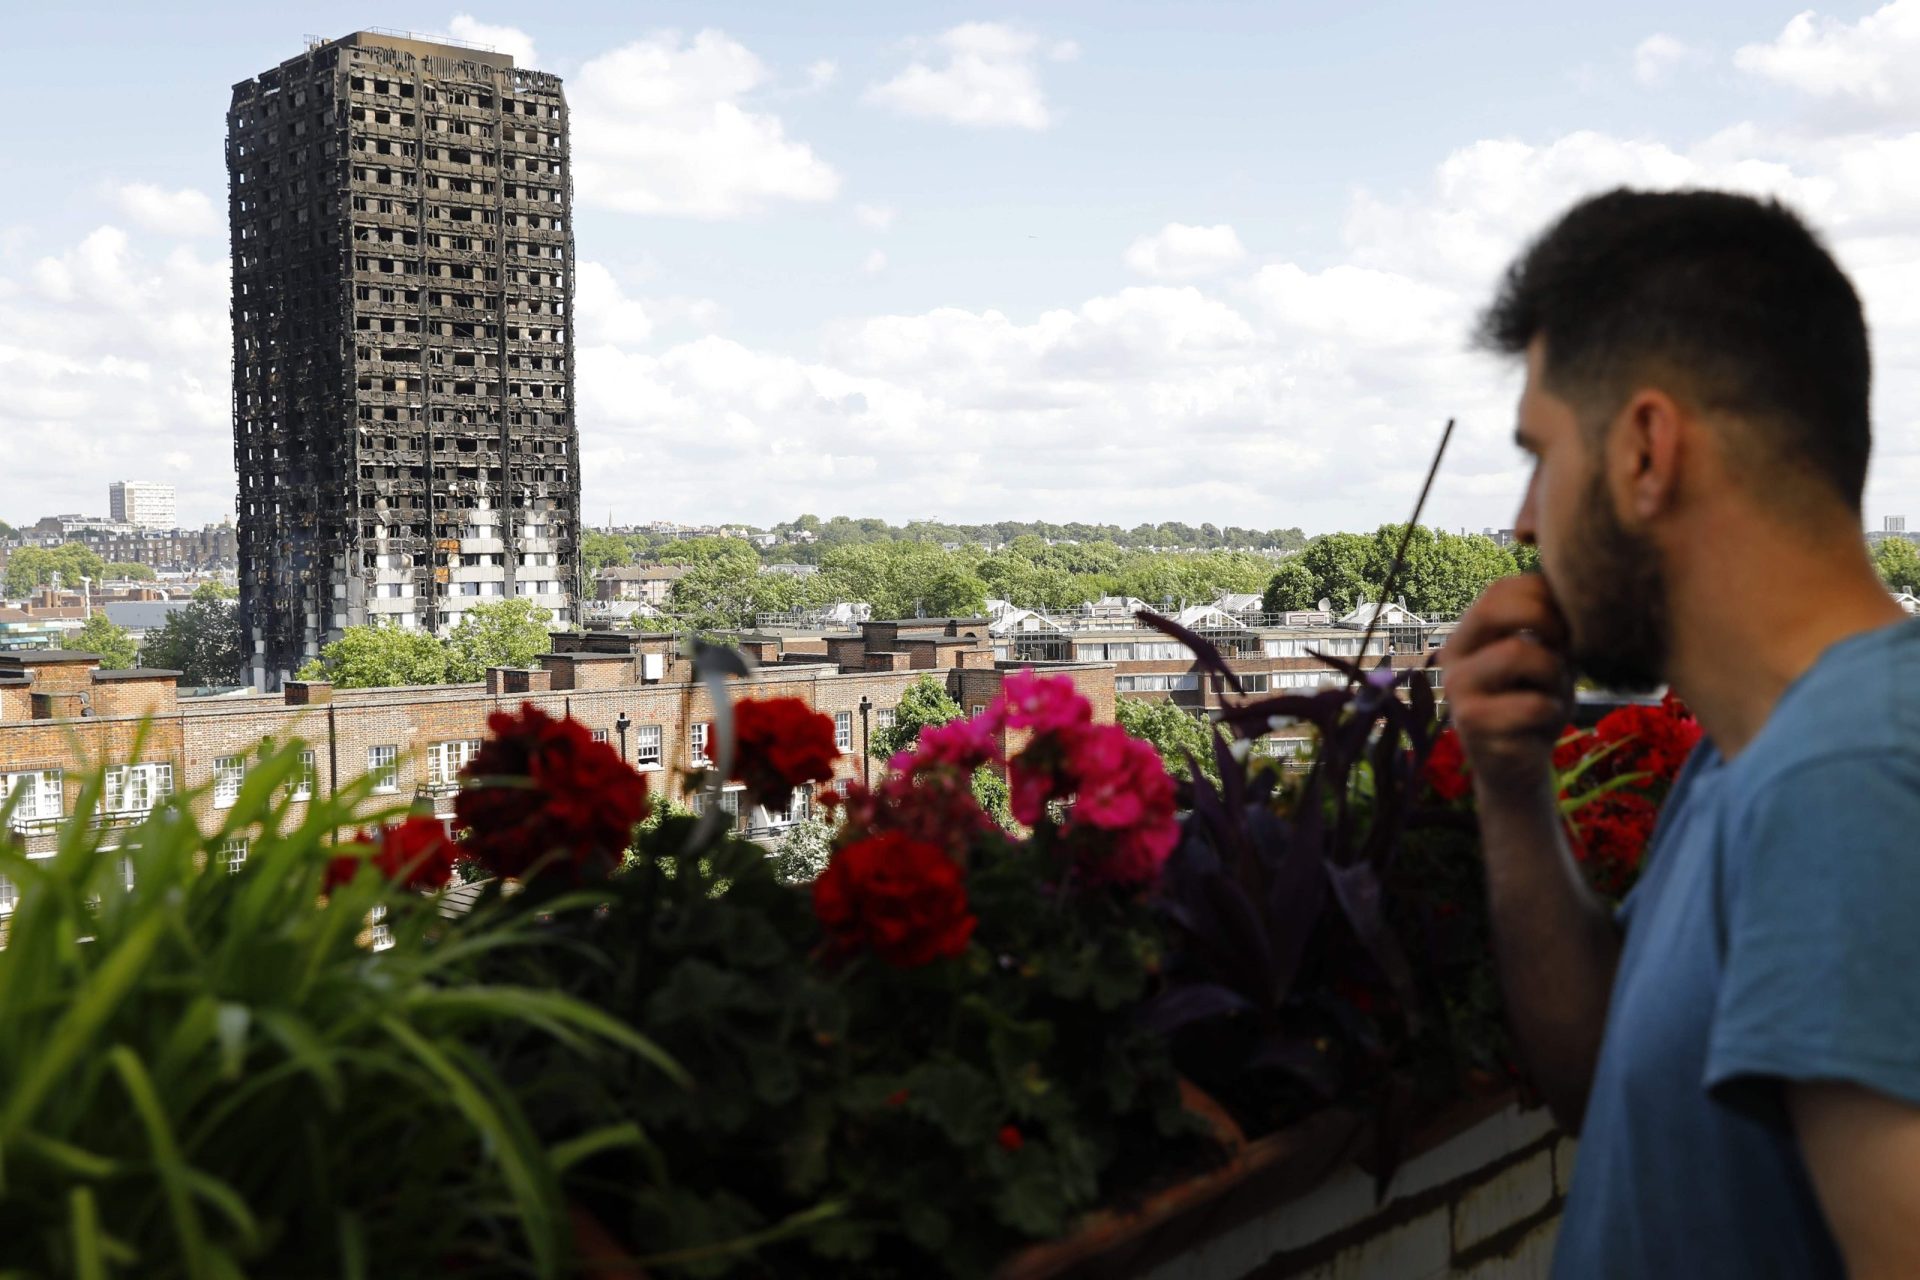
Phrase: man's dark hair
{"type": "Point", "coordinates": [1723, 300]}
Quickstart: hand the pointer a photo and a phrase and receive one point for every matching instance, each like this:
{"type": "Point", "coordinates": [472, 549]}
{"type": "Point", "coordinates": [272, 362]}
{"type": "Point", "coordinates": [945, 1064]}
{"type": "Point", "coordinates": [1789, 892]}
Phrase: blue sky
{"type": "Point", "coordinates": [1128, 261]}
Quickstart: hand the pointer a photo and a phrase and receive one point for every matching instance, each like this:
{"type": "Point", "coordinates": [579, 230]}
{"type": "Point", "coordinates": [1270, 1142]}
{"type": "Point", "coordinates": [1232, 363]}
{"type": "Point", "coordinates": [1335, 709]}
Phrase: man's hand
{"type": "Point", "coordinates": [1509, 685]}
{"type": "Point", "coordinates": [1510, 691]}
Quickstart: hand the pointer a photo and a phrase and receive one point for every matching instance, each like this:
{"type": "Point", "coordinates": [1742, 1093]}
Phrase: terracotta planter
{"type": "Point", "coordinates": [1256, 1176]}
{"type": "Point", "coordinates": [599, 1255]}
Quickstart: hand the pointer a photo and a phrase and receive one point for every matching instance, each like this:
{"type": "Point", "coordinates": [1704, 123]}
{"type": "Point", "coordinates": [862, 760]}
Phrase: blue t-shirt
{"type": "Point", "coordinates": [1774, 937]}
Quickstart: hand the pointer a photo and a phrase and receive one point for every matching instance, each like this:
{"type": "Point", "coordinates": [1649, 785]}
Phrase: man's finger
{"type": "Point", "coordinates": [1519, 603]}
{"type": "Point", "coordinates": [1523, 713]}
{"type": "Point", "coordinates": [1511, 662]}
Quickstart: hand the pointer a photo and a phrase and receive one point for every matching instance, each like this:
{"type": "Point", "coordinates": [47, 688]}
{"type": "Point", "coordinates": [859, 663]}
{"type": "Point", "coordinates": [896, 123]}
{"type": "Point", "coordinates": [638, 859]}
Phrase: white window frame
{"type": "Point", "coordinates": [379, 930]}
{"type": "Point", "coordinates": [979, 709]}
{"type": "Point", "coordinates": [229, 772]}
{"type": "Point", "coordinates": [383, 766]}
{"type": "Point", "coordinates": [42, 797]}
{"type": "Point", "coordinates": [883, 718]}
{"type": "Point", "coordinates": [9, 897]}
{"type": "Point", "coordinates": [133, 789]}
{"type": "Point", "coordinates": [303, 780]}
{"type": "Point", "coordinates": [697, 734]}
{"type": "Point", "coordinates": [843, 730]}
{"type": "Point", "coordinates": [445, 760]}
{"type": "Point", "coordinates": [648, 742]}
{"type": "Point", "coordinates": [233, 853]}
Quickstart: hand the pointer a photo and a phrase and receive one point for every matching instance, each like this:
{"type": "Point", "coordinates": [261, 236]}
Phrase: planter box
{"type": "Point", "coordinates": [1478, 1195]}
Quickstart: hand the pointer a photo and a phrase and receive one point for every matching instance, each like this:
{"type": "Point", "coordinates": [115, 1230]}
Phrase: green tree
{"type": "Point", "coordinates": [202, 641]}
{"type": "Point", "coordinates": [26, 568]}
{"type": "Point", "coordinates": [128, 571]}
{"type": "Point", "coordinates": [381, 656]}
{"type": "Point", "coordinates": [502, 633]}
{"type": "Point", "coordinates": [922, 703]}
{"type": "Point", "coordinates": [1899, 564]}
{"type": "Point", "coordinates": [1292, 586]}
{"type": "Point", "coordinates": [1525, 557]}
{"type": "Point", "coordinates": [926, 702]}
{"type": "Point", "coordinates": [1175, 733]}
{"type": "Point", "coordinates": [730, 592]}
{"type": "Point", "coordinates": [1339, 562]}
{"type": "Point", "coordinates": [33, 567]}
{"type": "Point", "coordinates": [601, 550]}
{"type": "Point", "coordinates": [7, 530]}
{"type": "Point", "coordinates": [114, 644]}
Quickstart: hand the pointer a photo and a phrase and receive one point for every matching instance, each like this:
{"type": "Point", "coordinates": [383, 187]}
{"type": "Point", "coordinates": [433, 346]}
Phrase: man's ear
{"type": "Point", "coordinates": [1644, 454]}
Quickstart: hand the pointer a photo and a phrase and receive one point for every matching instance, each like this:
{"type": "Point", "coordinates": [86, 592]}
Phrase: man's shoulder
{"type": "Point", "coordinates": [1858, 707]}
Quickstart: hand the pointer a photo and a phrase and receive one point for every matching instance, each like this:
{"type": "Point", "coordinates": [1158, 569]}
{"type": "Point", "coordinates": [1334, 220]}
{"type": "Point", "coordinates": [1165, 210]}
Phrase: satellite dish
{"type": "Point", "coordinates": [1326, 605]}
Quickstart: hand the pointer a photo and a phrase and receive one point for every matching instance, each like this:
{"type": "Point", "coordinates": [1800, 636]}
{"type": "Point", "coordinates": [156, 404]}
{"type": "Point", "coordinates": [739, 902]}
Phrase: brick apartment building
{"type": "Point", "coordinates": [62, 716]}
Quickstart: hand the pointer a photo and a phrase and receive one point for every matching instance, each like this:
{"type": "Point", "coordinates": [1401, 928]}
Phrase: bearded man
{"type": "Point", "coordinates": [1738, 1046]}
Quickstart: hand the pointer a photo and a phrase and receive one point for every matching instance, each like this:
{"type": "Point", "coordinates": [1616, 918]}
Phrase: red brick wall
{"type": "Point", "coordinates": [156, 696]}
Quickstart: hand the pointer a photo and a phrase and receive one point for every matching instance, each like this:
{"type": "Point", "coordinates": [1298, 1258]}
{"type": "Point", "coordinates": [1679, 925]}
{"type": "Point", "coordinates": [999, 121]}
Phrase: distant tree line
{"type": "Point", "coordinates": [600, 550]}
{"type": "Point", "coordinates": [727, 585]}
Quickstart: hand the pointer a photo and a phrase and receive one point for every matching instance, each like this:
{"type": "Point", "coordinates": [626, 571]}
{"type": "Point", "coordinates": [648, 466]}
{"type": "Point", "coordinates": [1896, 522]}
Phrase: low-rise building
{"type": "Point", "coordinates": [651, 583]}
{"type": "Point", "coordinates": [62, 717]}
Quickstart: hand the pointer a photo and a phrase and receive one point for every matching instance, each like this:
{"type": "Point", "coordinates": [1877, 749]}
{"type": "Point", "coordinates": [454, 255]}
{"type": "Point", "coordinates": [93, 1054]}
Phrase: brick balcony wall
{"type": "Point", "coordinates": [1483, 1205]}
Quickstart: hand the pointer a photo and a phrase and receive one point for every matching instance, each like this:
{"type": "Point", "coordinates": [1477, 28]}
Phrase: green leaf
{"type": "Point", "coordinates": [167, 1162]}
{"type": "Point", "coordinates": [231, 1023]}
{"type": "Point", "coordinates": [522, 1163]}
{"type": "Point", "coordinates": [100, 997]}
{"type": "Point", "coordinates": [556, 1012]}
{"type": "Point", "coordinates": [83, 1224]}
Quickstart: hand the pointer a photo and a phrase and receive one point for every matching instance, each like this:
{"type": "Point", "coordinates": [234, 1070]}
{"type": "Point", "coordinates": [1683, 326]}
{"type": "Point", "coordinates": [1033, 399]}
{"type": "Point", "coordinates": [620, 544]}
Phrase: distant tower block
{"type": "Point", "coordinates": [403, 422]}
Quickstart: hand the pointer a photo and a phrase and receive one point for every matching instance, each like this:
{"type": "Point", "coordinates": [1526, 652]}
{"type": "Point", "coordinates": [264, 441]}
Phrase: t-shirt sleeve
{"type": "Point", "coordinates": [1821, 910]}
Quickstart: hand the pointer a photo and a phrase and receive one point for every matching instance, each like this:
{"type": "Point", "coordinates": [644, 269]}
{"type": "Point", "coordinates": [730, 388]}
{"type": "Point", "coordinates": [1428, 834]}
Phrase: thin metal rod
{"type": "Point", "coordinates": [1406, 539]}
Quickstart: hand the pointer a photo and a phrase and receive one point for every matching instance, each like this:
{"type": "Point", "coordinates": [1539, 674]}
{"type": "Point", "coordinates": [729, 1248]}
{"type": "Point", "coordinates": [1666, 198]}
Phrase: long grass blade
{"type": "Point", "coordinates": [522, 1163]}
{"type": "Point", "coordinates": [167, 1162]}
{"type": "Point", "coordinates": [71, 1035]}
{"type": "Point", "coordinates": [83, 1222]}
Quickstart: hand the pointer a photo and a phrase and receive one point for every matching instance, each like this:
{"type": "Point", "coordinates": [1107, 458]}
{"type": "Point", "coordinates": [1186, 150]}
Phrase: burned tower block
{"type": "Point", "coordinates": [403, 424]}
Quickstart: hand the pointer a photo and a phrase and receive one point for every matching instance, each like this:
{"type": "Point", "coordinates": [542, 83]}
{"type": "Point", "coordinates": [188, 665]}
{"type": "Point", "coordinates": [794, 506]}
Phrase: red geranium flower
{"type": "Point", "coordinates": [782, 743]}
{"type": "Point", "coordinates": [1612, 837]}
{"type": "Point", "coordinates": [417, 852]}
{"type": "Point", "coordinates": [541, 787]}
{"type": "Point", "coordinates": [1010, 1138]}
{"type": "Point", "coordinates": [1654, 740]}
{"type": "Point", "coordinates": [1447, 767]}
{"type": "Point", "coordinates": [901, 897]}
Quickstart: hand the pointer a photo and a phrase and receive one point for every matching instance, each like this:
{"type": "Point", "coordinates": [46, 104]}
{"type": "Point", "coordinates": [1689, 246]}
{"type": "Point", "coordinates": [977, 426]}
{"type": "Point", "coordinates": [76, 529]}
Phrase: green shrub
{"type": "Point", "coordinates": [211, 1075]}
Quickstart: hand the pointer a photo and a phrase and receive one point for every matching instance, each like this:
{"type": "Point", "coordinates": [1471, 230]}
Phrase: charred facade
{"type": "Point", "coordinates": [401, 215]}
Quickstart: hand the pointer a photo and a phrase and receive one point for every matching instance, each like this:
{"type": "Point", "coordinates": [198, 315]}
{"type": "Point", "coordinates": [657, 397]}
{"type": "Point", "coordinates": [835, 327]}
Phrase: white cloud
{"type": "Point", "coordinates": [508, 40]}
{"type": "Point", "coordinates": [606, 314]}
{"type": "Point", "coordinates": [184, 213]}
{"type": "Point", "coordinates": [1181, 252]}
{"type": "Point", "coordinates": [1298, 392]}
{"type": "Point", "coordinates": [821, 74]}
{"type": "Point", "coordinates": [663, 126]}
{"type": "Point", "coordinates": [1657, 57]}
{"type": "Point", "coordinates": [877, 217]}
{"type": "Point", "coordinates": [1063, 51]}
{"type": "Point", "coordinates": [115, 349]}
{"type": "Point", "coordinates": [1867, 65]}
{"type": "Point", "coordinates": [990, 78]}
{"type": "Point", "coordinates": [875, 262]}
